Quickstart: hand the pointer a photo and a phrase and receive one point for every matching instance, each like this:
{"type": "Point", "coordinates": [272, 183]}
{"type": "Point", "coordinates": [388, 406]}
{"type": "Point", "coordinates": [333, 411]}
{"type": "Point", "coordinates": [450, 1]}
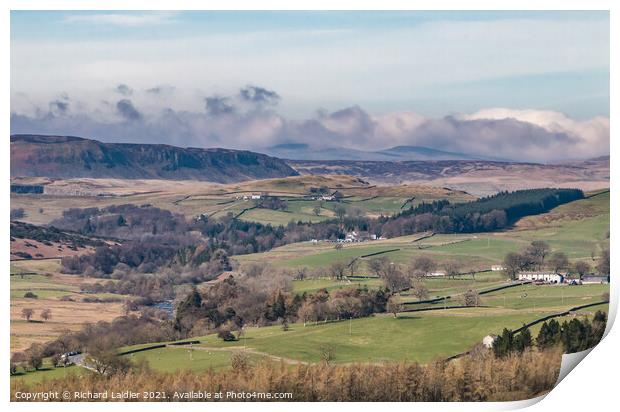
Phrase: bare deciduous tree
{"type": "Point", "coordinates": [603, 266]}
{"type": "Point", "coordinates": [394, 279]}
{"type": "Point", "coordinates": [582, 268]}
{"type": "Point", "coordinates": [537, 251]}
{"type": "Point", "coordinates": [420, 290]}
{"type": "Point", "coordinates": [453, 268]}
{"type": "Point", "coordinates": [46, 314]}
{"type": "Point", "coordinates": [423, 264]}
{"type": "Point", "coordinates": [27, 314]}
{"type": "Point", "coordinates": [471, 298]}
{"type": "Point", "coordinates": [353, 266]}
{"type": "Point", "coordinates": [394, 305]}
{"type": "Point", "coordinates": [327, 352]}
{"type": "Point", "coordinates": [558, 261]}
{"type": "Point", "coordinates": [337, 270]}
{"type": "Point", "coordinates": [377, 265]}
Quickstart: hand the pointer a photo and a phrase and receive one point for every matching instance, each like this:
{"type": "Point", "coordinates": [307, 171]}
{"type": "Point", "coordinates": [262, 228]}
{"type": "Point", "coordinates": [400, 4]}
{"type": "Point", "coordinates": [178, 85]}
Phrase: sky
{"type": "Point", "coordinates": [521, 85]}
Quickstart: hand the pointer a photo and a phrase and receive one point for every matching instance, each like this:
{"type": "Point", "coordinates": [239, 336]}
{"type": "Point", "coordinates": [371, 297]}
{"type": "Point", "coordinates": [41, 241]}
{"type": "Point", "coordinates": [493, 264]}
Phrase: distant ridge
{"type": "Point", "coordinates": [303, 151]}
{"type": "Point", "coordinates": [71, 156]}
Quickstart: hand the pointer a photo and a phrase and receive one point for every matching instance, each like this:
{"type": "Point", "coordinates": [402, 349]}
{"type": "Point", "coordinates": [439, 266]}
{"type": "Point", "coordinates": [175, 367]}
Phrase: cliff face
{"type": "Point", "coordinates": [67, 157]}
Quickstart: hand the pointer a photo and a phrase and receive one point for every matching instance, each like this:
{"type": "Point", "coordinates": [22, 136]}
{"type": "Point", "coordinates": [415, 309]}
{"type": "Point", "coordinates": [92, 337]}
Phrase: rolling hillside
{"type": "Point", "coordinates": [477, 177]}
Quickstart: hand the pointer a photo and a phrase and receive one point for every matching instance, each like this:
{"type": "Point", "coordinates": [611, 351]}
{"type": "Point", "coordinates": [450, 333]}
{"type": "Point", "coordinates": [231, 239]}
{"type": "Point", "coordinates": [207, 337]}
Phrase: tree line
{"type": "Point", "coordinates": [538, 255]}
{"type": "Point", "coordinates": [575, 335]}
{"type": "Point", "coordinates": [267, 299]}
{"type": "Point", "coordinates": [482, 215]}
{"type": "Point", "coordinates": [478, 376]}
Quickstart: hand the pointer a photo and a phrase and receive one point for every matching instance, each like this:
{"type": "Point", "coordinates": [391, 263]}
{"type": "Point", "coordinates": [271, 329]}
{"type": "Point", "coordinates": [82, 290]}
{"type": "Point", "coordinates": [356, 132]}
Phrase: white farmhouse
{"type": "Point", "coordinates": [547, 277]}
{"type": "Point", "coordinates": [497, 268]}
{"type": "Point", "coordinates": [438, 273]}
{"type": "Point", "coordinates": [255, 197]}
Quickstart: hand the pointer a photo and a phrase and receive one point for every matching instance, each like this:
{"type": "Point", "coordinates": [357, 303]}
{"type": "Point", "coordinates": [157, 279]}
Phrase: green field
{"type": "Point", "coordinates": [170, 359]}
{"type": "Point", "coordinates": [417, 337]}
{"type": "Point", "coordinates": [545, 296]}
{"type": "Point", "coordinates": [46, 287]}
{"type": "Point", "coordinates": [40, 285]}
{"type": "Point", "coordinates": [386, 205]}
{"type": "Point", "coordinates": [47, 372]}
{"type": "Point", "coordinates": [278, 217]}
{"type": "Point", "coordinates": [312, 285]}
{"type": "Point", "coordinates": [479, 251]}
{"type": "Point", "coordinates": [436, 286]}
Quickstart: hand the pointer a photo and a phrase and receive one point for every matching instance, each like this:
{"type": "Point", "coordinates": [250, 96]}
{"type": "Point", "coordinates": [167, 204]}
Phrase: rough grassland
{"type": "Point", "coordinates": [43, 280]}
{"type": "Point", "coordinates": [192, 198]}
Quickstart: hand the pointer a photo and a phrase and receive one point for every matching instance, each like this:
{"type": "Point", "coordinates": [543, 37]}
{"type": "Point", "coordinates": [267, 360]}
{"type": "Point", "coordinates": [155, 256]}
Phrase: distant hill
{"type": "Point", "coordinates": [69, 156]}
{"type": "Point", "coordinates": [302, 151]}
{"type": "Point", "coordinates": [479, 177]}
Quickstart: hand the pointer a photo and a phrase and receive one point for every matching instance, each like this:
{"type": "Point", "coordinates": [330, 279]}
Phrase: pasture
{"type": "Point", "coordinates": [57, 292]}
{"type": "Point", "coordinates": [547, 297]}
{"type": "Point", "coordinates": [419, 337]}
{"type": "Point", "coordinates": [170, 359]}
{"type": "Point", "coordinates": [48, 371]}
{"type": "Point", "coordinates": [312, 285]}
{"type": "Point", "coordinates": [415, 336]}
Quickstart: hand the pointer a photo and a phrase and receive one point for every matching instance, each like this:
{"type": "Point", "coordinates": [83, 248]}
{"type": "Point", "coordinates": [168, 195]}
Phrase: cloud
{"type": "Point", "coordinates": [127, 110]}
{"type": "Point", "coordinates": [122, 19]}
{"type": "Point", "coordinates": [59, 107]}
{"type": "Point", "coordinates": [592, 132]}
{"type": "Point", "coordinates": [259, 95]}
{"type": "Point", "coordinates": [124, 90]}
{"type": "Point", "coordinates": [225, 121]}
{"type": "Point", "coordinates": [161, 90]}
{"type": "Point", "coordinates": [351, 121]}
{"type": "Point", "coordinates": [216, 105]}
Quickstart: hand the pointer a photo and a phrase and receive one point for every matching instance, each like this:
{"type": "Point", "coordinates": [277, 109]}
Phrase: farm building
{"type": "Point", "coordinates": [488, 341]}
{"type": "Point", "coordinates": [547, 277]}
{"type": "Point", "coordinates": [437, 273]}
{"type": "Point", "coordinates": [591, 279]}
{"type": "Point", "coordinates": [497, 268]}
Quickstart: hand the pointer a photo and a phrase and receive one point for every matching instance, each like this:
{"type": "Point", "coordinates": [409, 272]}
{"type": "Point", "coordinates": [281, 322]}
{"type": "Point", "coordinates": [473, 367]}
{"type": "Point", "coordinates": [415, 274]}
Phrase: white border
{"type": "Point", "coordinates": [590, 386]}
